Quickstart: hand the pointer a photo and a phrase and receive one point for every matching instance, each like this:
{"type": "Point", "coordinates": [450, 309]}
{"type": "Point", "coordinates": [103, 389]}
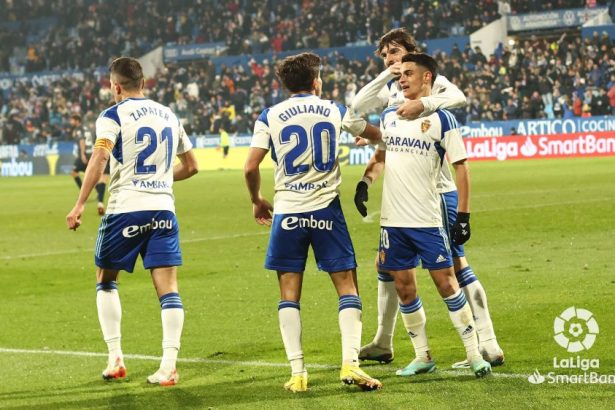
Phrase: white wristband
{"type": "Point", "coordinates": [367, 180]}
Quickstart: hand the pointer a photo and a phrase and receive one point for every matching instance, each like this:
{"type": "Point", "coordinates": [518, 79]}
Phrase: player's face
{"type": "Point", "coordinates": [413, 80]}
{"type": "Point", "coordinates": [392, 53]}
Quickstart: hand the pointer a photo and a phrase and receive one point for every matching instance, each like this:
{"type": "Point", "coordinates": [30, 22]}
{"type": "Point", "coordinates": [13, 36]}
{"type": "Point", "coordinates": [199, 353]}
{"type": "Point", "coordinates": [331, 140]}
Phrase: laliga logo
{"type": "Point", "coordinates": [529, 149]}
{"type": "Point", "coordinates": [575, 329]}
{"type": "Point", "coordinates": [536, 377]}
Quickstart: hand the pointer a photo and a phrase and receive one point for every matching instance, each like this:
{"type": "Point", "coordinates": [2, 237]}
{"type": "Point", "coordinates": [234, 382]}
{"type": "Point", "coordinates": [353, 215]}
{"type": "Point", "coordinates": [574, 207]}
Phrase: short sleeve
{"type": "Point", "coordinates": [108, 125]}
{"type": "Point", "coordinates": [450, 137]}
{"type": "Point", "coordinates": [262, 136]}
{"type": "Point", "coordinates": [352, 123]}
{"type": "Point", "coordinates": [183, 142]}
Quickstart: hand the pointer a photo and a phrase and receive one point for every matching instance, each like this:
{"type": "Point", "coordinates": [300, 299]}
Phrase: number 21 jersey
{"type": "Point", "coordinates": [302, 133]}
{"type": "Point", "coordinates": [146, 136]}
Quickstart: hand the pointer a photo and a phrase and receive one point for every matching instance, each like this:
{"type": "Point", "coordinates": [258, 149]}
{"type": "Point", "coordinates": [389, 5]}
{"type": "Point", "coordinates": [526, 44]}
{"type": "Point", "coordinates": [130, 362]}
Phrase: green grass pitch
{"type": "Point", "coordinates": [543, 239]}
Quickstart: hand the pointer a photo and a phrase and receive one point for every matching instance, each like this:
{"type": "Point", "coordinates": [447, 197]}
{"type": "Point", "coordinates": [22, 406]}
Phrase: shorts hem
{"type": "Point", "coordinates": [281, 268]}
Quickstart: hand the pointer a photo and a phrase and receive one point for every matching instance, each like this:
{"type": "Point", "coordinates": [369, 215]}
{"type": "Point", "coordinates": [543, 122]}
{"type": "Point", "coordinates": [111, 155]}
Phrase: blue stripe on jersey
{"type": "Point", "coordinates": [274, 156]}
{"type": "Point", "coordinates": [111, 113]}
{"type": "Point", "coordinates": [390, 83]}
{"type": "Point", "coordinates": [441, 151]}
{"type": "Point", "coordinates": [447, 120]}
{"type": "Point", "coordinates": [388, 110]}
{"type": "Point", "coordinates": [302, 95]}
{"type": "Point", "coordinates": [263, 117]}
{"type": "Point", "coordinates": [342, 109]}
{"type": "Point", "coordinates": [117, 149]}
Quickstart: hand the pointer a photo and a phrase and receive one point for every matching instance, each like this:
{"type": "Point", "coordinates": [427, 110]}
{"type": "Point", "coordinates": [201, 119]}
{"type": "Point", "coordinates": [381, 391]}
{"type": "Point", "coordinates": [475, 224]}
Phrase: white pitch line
{"type": "Point", "coordinates": [253, 363]}
{"type": "Point", "coordinates": [70, 251]}
{"type": "Point", "coordinates": [370, 217]}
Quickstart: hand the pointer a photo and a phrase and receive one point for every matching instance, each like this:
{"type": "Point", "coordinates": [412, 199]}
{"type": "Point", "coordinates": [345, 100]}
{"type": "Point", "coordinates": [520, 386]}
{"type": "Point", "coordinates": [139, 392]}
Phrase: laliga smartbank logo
{"type": "Point", "coordinates": [575, 330]}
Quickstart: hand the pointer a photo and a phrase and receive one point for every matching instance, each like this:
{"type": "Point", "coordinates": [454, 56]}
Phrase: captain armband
{"type": "Point", "coordinates": [105, 144]}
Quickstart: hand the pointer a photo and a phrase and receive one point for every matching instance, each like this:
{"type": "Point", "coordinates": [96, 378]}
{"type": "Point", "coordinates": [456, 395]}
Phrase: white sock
{"type": "Point", "coordinates": [414, 319]}
{"type": "Point", "coordinates": [172, 316]}
{"type": "Point", "coordinates": [477, 298]}
{"type": "Point", "coordinates": [388, 305]}
{"type": "Point", "coordinates": [290, 327]}
{"type": "Point", "coordinates": [350, 327]}
{"type": "Point", "coordinates": [110, 318]}
{"type": "Point", "coordinates": [461, 316]}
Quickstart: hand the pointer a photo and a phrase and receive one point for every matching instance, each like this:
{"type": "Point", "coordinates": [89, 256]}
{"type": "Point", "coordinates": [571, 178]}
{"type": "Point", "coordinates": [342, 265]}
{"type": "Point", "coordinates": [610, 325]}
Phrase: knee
{"type": "Point", "coordinates": [447, 288]}
{"type": "Point", "coordinates": [406, 293]}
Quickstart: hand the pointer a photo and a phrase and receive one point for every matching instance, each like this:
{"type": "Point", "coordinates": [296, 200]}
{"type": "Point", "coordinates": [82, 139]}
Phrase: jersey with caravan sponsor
{"type": "Point", "coordinates": [384, 91]}
{"type": "Point", "coordinates": [414, 157]}
{"type": "Point", "coordinates": [147, 136]}
{"type": "Point", "coordinates": [302, 133]}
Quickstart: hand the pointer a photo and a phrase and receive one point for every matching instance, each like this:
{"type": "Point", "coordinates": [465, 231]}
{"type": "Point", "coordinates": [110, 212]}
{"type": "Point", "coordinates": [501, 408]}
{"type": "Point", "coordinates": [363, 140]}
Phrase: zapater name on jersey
{"type": "Point", "coordinates": [147, 136]}
{"type": "Point", "coordinates": [302, 133]}
{"type": "Point", "coordinates": [415, 153]}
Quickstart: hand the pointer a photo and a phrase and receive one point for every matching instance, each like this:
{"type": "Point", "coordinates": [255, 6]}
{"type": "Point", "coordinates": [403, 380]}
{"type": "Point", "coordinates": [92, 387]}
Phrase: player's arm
{"type": "Point", "coordinates": [452, 143]}
{"type": "Point", "coordinates": [445, 95]}
{"type": "Point", "coordinates": [373, 170]}
{"type": "Point", "coordinates": [187, 167]}
{"type": "Point", "coordinates": [260, 206]}
{"type": "Point", "coordinates": [93, 173]}
{"type": "Point", "coordinates": [261, 140]}
{"type": "Point", "coordinates": [374, 96]}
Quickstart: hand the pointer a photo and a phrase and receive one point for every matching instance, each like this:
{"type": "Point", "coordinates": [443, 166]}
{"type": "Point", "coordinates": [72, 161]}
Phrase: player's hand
{"type": "Point", "coordinates": [73, 219]}
{"type": "Point", "coordinates": [410, 110]}
{"type": "Point", "coordinates": [360, 141]}
{"type": "Point", "coordinates": [460, 233]}
{"type": "Point", "coordinates": [360, 197]}
{"type": "Point", "coordinates": [262, 212]}
{"type": "Point", "coordinates": [395, 69]}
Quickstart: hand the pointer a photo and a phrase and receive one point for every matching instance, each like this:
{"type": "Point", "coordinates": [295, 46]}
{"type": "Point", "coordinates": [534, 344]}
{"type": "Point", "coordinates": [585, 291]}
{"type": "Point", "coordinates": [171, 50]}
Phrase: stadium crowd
{"type": "Point", "coordinates": [532, 79]}
{"type": "Point", "coordinates": [63, 34]}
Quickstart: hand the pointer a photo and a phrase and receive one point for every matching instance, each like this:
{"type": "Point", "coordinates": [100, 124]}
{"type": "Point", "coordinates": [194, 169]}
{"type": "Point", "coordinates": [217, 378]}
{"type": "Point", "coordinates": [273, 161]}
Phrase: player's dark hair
{"type": "Point", "coordinates": [128, 72]}
{"type": "Point", "coordinates": [298, 72]}
{"type": "Point", "coordinates": [424, 60]}
{"type": "Point", "coordinates": [76, 117]}
{"type": "Point", "coordinates": [399, 36]}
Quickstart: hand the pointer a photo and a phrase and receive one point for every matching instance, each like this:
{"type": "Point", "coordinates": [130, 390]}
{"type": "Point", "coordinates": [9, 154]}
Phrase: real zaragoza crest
{"type": "Point", "coordinates": [425, 126]}
{"type": "Point", "coordinates": [382, 256]}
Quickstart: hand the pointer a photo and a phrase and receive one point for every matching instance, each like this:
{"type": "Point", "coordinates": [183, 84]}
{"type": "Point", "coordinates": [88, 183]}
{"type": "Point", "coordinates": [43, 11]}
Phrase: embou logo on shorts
{"type": "Point", "coordinates": [134, 230]}
{"type": "Point", "coordinates": [291, 222]}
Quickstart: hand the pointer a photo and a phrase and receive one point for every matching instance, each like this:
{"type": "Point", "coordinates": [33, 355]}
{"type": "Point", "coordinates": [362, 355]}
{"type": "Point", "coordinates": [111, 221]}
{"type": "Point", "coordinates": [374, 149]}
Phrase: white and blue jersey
{"type": "Point", "coordinates": [302, 133]}
{"type": "Point", "coordinates": [140, 217]}
{"type": "Point", "coordinates": [146, 136]}
{"type": "Point", "coordinates": [415, 153]}
{"type": "Point", "coordinates": [411, 213]}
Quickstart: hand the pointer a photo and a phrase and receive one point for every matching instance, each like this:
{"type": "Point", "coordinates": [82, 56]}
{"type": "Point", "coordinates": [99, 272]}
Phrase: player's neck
{"type": "Point", "coordinates": [313, 92]}
{"type": "Point", "coordinates": [126, 96]}
{"type": "Point", "coordinates": [424, 92]}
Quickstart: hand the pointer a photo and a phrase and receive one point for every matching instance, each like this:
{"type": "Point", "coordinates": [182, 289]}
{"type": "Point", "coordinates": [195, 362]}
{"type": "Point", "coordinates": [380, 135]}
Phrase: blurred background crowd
{"type": "Point", "coordinates": [541, 77]}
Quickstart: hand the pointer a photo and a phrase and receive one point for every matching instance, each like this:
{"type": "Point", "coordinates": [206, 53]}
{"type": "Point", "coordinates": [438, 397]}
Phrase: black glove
{"type": "Point", "coordinates": [460, 233]}
{"type": "Point", "coordinates": [360, 197]}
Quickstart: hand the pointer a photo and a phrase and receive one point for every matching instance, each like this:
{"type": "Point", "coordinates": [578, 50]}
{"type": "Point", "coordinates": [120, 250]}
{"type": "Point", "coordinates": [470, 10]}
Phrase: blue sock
{"type": "Point", "coordinates": [171, 301]}
{"type": "Point", "coordinates": [411, 307]}
{"type": "Point", "coordinates": [466, 276]}
{"type": "Point", "coordinates": [288, 304]}
{"type": "Point", "coordinates": [350, 301]}
{"type": "Point", "coordinates": [455, 301]}
{"type": "Point", "coordinates": [106, 285]}
{"type": "Point", "coordinates": [385, 277]}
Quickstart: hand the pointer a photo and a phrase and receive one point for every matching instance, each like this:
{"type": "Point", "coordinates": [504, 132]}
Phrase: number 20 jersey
{"type": "Point", "coordinates": [302, 133]}
{"type": "Point", "coordinates": [147, 136]}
